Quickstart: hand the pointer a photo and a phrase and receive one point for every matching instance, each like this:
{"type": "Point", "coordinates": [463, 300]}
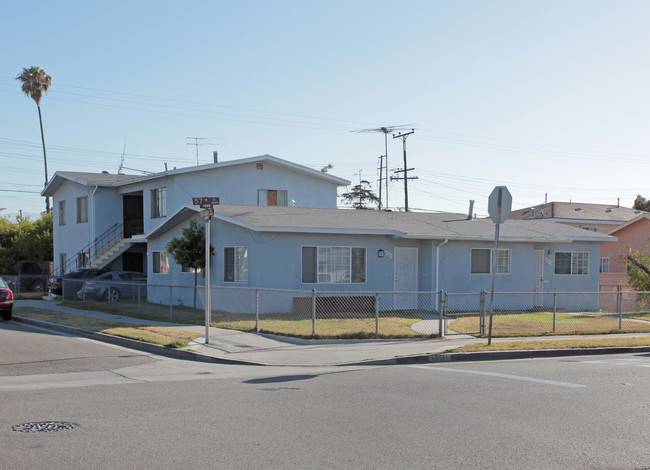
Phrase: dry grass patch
{"type": "Point", "coordinates": [610, 342]}
{"type": "Point", "coordinates": [169, 337]}
{"type": "Point", "coordinates": [340, 328]}
{"type": "Point", "coordinates": [541, 324]}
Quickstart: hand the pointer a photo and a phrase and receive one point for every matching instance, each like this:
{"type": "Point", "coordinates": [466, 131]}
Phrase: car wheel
{"type": "Point", "coordinates": [6, 316]}
{"type": "Point", "coordinates": [112, 294]}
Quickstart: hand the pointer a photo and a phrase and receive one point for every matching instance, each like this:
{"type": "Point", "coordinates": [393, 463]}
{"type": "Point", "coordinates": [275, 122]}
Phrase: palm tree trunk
{"type": "Point", "coordinates": [40, 120]}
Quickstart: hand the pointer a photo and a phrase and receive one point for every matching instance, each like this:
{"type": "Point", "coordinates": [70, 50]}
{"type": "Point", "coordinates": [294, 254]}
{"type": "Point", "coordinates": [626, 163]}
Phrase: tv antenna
{"type": "Point", "coordinates": [198, 142]}
{"type": "Point", "coordinates": [383, 160]}
{"type": "Point", "coordinates": [121, 168]}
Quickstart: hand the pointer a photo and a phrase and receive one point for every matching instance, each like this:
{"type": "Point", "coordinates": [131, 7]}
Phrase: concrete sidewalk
{"type": "Point", "coordinates": [255, 348]}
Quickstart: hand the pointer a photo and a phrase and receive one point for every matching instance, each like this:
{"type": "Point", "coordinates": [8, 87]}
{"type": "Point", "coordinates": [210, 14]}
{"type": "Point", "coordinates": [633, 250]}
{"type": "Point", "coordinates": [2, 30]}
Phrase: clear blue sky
{"type": "Point", "coordinates": [546, 97]}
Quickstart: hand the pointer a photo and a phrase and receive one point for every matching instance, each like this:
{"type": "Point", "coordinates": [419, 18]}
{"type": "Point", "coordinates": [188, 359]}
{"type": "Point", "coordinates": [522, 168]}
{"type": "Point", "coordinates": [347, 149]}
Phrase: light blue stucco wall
{"type": "Point", "coordinates": [275, 262]}
{"type": "Point", "coordinates": [238, 184]}
{"type": "Point", "coordinates": [71, 237]}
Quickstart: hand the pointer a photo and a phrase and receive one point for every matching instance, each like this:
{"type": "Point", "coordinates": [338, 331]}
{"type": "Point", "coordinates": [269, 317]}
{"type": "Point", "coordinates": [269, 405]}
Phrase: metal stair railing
{"type": "Point", "coordinates": [84, 257]}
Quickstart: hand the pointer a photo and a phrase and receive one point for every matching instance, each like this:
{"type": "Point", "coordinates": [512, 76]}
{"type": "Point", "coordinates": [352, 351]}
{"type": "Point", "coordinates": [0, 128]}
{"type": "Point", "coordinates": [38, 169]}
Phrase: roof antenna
{"type": "Point", "coordinates": [120, 170]}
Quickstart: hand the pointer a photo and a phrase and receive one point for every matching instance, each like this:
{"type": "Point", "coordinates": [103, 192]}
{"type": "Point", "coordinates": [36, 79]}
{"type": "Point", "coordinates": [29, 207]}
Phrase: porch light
{"type": "Point", "coordinates": [380, 253]}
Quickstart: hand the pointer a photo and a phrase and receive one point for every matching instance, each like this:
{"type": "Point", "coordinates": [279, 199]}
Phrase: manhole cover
{"type": "Point", "coordinates": [44, 426]}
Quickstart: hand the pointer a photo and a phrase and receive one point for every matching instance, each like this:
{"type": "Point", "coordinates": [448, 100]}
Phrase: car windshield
{"type": "Point", "coordinates": [105, 276]}
{"type": "Point", "coordinates": [3, 283]}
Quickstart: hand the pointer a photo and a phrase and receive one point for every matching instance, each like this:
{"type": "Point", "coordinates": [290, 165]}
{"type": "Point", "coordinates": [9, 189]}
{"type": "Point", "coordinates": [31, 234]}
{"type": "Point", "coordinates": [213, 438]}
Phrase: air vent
{"type": "Point", "coordinates": [608, 210]}
{"type": "Point", "coordinates": [578, 209]}
{"type": "Point", "coordinates": [259, 166]}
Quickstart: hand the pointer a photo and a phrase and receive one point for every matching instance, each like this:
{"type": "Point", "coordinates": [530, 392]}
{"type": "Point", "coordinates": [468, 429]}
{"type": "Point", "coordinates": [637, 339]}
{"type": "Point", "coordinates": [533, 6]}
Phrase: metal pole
{"type": "Point", "coordinates": [440, 309]}
{"type": "Point", "coordinates": [139, 307]}
{"type": "Point", "coordinates": [494, 265]}
{"type": "Point", "coordinates": [313, 312]}
{"type": "Point", "coordinates": [171, 301]}
{"type": "Point", "coordinates": [482, 321]}
{"type": "Point", "coordinates": [208, 294]}
{"type": "Point", "coordinates": [257, 310]}
{"type": "Point", "coordinates": [554, 309]}
{"type": "Point", "coordinates": [377, 313]}
{"type": "Point", "coordinates": [620, 307]}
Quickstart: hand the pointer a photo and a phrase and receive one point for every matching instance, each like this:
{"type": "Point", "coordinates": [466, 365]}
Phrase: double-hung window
{"type": "Point", "coordinates": [61, 212]}
{"type": "Point", "coordinates": [481, 262]}
{"type": "Point", "coordinates": [82, 209]}
{"type": "Point", "coordinates": [604, 265]}
{"type": "Point", "coordinates": [333, 264]}
{"type": "Point", "coordinates": [158, 203]}
{"type": "Point", "coordinates": [235, 264]}
{"type": "Point", "coordinates": [572, 262]}
{"type": "Point", "coordinates": [160, 262]}
{"type": "Point", "coordinates": [272, 197]}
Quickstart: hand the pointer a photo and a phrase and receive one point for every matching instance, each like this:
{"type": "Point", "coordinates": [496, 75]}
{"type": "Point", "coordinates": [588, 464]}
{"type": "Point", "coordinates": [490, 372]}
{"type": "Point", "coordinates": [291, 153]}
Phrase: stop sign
{"type": "Point", "coordinates": [499, 204]}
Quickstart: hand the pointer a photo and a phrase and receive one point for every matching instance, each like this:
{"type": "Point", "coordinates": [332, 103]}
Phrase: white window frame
{"type": "Point", "coordinates": [62, 220]}
{"type": "Point", "coordinates": [82, 209]}
{"type": "Point", "coordinates": [604, 265]}
{"type": "Point", "coordinates": [281, 199]}
{"type": "Point", "coordinates": [159, 202]}
{"type": "Point", "coordinates": [341, 272]}
{"type": "Point", "coordinates": [500, 252]}
{"type": "Point", "coordinates": [575, 267]}
{"type": "Point", "coordinates": [239, 266]}
{"type": "Point", "coordinates": [160, 262]}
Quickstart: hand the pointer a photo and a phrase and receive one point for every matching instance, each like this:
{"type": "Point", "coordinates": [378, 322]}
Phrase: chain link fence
{"type": "Point", "coordinates": [312, 313]}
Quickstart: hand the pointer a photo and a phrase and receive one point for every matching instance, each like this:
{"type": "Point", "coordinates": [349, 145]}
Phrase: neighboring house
{"type": "Point", "coordinates": [634, 235]}
{"type": "Point", "coordinates": [96, 211]}
{"type": "Point", "coordinates": [369, 251]}
{"type": "Point", "coordinates": [593, 217]}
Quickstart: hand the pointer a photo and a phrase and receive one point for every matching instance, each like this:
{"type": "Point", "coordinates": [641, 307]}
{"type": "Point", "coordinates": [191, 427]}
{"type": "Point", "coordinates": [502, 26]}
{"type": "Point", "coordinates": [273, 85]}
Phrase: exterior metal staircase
{"type": "Point", "coordinates": [100, 252]}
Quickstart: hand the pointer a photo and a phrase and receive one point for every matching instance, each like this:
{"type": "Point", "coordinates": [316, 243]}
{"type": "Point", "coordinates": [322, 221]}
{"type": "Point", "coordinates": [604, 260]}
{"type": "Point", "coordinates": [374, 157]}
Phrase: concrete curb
{"type": "Point", "coordinates": [416, 359]}
{"type": "Point", "coordinates": [133, 344]}
{"type": "Point", "coordinates": [502, 355]}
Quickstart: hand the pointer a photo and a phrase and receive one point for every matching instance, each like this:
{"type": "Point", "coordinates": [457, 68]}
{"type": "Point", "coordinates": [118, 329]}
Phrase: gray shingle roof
{"type": "Point", "coordinates": [576, 211]}
{"type": "Point", "coordinates": [418, 225]}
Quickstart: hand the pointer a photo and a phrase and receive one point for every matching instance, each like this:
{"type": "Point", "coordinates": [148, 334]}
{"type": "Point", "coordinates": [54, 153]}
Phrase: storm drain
{"type": "Point", "coordinates": [44, 426]}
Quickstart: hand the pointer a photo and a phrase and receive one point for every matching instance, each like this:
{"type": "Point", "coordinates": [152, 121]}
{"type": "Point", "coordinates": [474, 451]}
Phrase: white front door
{"type": "Point", "coordinates": [406, 278]}
{"type": "Point", "coordinates": [538, 283]}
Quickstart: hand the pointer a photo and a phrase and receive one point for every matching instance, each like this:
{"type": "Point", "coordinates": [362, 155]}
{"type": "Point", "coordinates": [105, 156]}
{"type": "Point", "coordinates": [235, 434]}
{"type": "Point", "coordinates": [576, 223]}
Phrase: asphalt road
{"type": "Point", "coordinates": [140, 411]}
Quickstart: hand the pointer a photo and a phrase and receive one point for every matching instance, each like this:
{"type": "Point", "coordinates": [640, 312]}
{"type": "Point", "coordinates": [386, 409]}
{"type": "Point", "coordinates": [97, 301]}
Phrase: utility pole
{"type": "Point", "coordinates": [381, 178]}
{"type": "Point", "coordinates": [405, 170]}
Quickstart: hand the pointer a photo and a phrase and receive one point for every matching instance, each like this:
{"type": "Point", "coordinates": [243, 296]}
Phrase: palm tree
{"type": "Point", "coordinates": [35, 83]}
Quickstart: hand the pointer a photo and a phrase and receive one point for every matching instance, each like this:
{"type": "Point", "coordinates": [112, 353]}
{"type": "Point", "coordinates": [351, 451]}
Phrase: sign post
{"type": "Point", "coordinates": [499, 207]}
{"type": "Point", "coordinates": [207, 203]}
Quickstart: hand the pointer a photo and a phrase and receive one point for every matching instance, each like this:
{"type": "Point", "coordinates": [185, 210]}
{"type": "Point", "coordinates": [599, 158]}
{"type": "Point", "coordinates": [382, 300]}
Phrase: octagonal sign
{"type": "Point", "coordinates": [499, 204]}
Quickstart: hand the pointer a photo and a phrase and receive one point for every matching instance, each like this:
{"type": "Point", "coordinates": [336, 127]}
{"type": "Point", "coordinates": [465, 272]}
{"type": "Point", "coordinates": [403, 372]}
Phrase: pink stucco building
{"type": "Point", "coordinates": [633, 235]}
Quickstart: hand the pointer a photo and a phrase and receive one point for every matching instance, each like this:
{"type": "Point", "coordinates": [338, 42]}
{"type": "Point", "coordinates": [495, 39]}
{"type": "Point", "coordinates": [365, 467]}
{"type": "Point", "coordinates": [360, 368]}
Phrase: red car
{"type": "Point", "coordinates": [6, 300]}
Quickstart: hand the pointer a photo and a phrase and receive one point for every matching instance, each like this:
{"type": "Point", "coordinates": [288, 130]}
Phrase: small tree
{"type": "Point", "coordinates": [638, 276]}
{"type": "Point", "coordinates": [360, 196]}
{"type": "Point", "coordinates": [641, 203]}
{"type": "Point", "coordinates": [189, 250]}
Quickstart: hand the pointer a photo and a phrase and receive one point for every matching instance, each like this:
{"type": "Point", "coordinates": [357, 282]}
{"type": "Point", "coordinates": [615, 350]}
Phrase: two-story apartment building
{"type": "Point", "coordinates": [93, 210]}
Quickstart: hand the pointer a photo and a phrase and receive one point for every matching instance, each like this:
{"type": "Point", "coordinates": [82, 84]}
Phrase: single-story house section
{"type": "Point", "coordinates": [369, 251]}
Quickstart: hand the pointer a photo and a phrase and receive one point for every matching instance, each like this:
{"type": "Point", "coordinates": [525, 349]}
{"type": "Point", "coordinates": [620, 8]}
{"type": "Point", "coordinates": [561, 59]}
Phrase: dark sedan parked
{"type": "Point", "coordinates": [6, 300]}
{"type": "Point", "coordinates": [114, 286]}
{"type": "Point", "coordinates": [72, 282]}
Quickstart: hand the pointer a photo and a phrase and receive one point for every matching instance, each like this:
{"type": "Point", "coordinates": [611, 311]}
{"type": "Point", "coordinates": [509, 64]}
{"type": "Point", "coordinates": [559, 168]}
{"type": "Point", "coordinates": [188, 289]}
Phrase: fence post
{"type": "Point", "coordinates": [619, 296]}
{"type": "Point", "coordinates": [108, 291]}
{"type": "Point", "coordinates": [139, 307]}
{"type": "Point", "coordinates": [482, 319]}
{"type": "Point", "coordinates": [257, 310]}
{"type": "Point", "coordinates": [554, 309]}
{"type": "Point", "coordinates": [313, 312]}
{"type": "Point", "coordinates": [377, 313]}
{"type": "Point", "coordinates": [171, 297]}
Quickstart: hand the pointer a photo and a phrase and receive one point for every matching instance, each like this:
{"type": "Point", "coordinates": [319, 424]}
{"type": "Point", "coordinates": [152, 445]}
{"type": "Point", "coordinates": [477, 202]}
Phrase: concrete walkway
{"type": "Point", "coordinates": [255, 348]}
